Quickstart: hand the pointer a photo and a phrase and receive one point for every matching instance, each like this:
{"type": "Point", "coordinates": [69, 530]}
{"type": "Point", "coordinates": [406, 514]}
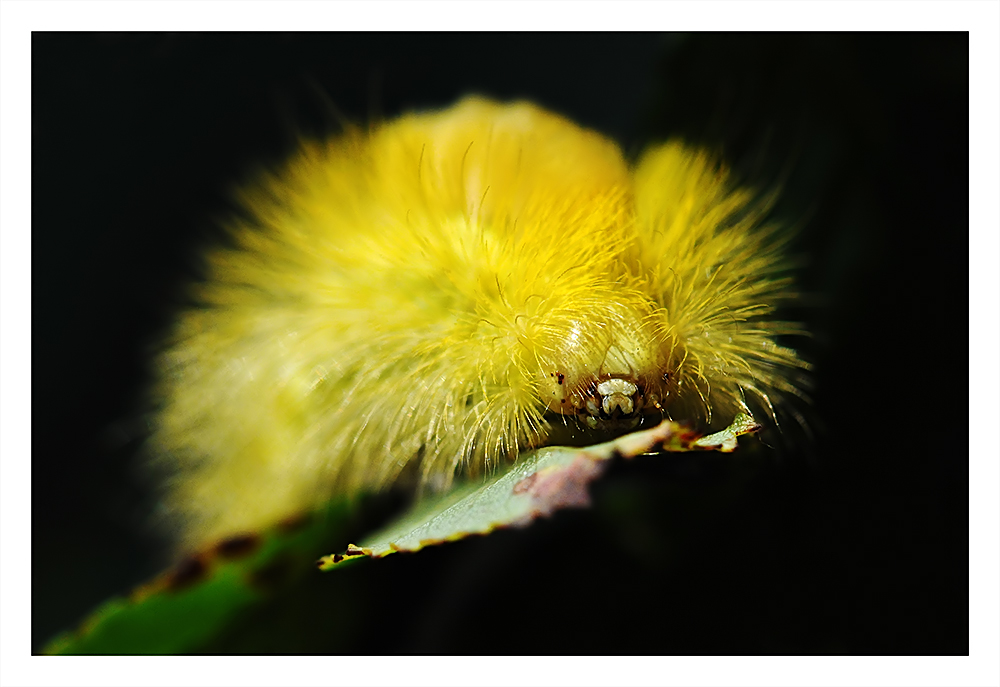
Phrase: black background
{"type": "Point", "coordinates": [853, 543]}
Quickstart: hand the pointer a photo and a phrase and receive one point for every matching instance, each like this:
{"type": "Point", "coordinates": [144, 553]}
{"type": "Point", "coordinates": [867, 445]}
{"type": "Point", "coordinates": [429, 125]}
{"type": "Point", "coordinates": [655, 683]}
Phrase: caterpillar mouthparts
{"type": "Point", "coordinates": [442, 290]}
{"type": "Point", "coordinates": [609, 402]}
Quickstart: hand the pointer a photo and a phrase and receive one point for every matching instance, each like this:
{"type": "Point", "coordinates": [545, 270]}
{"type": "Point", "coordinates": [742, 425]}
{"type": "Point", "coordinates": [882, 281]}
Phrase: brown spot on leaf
{"type": "Point", "coordinates": [238, 546]}
{"type": "Point", "coordinates": [563, 487]}
{"type": "Point", "coordinates": [525, 484]}
{"type": "Point", "coordinates": [188, 572]}
{"type": "Point", "coordinates": [688, 437]}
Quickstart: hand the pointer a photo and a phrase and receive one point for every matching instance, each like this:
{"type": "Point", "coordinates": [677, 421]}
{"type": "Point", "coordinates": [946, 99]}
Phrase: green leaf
{"type": "Point", "coordinates": [193, 602]}
{"type": "Point", "coordinates": [539, 483]}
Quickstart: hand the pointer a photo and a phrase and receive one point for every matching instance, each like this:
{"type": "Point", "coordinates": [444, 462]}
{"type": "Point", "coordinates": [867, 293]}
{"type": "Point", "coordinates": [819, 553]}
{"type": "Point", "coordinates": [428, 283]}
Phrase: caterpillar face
{"type": "Point", "coordinates": [615, 403]}
{"type": "Point", "coordinates": [435, 294]}
{"type": "Point", "coordinates": [610, 402]}
{"type": "Point", "coordinates": [612, 373]}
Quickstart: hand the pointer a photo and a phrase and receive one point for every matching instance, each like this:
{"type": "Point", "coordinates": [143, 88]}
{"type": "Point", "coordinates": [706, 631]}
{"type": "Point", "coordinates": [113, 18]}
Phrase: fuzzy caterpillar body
{"type": "Point", "coordinates": [436, 293]}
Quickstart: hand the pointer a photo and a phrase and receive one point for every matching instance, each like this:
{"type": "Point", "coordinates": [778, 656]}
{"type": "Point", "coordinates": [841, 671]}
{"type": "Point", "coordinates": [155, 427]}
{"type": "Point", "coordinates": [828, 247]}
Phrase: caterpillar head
{"type": "Point", "coordinates": [610, 402]}
{"type": "Point", "coordinates": [610, 375]}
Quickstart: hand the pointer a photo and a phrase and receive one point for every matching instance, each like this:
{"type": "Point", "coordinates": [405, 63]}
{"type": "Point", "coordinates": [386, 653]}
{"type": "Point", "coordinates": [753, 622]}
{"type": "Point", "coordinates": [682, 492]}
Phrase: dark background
{"type": "Point", "coordinates": [855, 542]}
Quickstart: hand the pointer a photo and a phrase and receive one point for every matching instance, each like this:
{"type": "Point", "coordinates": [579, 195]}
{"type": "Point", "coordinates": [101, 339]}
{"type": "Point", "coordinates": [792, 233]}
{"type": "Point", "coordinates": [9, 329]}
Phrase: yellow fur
{"type": "Point", "coordinates": [431, 292]}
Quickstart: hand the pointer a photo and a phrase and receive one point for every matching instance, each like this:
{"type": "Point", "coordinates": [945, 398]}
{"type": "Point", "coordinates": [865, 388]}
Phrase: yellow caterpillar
{"type": "Point", "coordinates": [436, 294]}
